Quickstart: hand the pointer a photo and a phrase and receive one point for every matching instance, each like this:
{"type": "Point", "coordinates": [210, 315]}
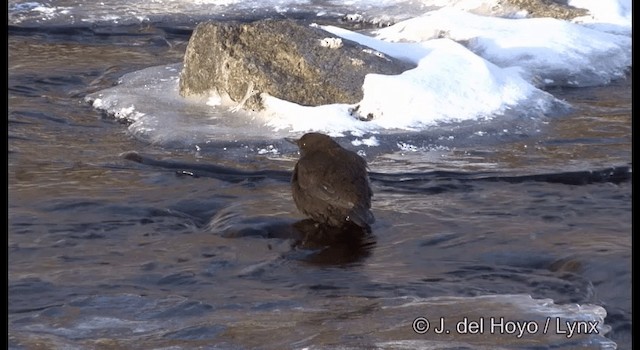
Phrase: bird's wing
{"type": "Point", "coordinates": [311, 182]}
{"type": "Point", "coordinates": [348, 194]}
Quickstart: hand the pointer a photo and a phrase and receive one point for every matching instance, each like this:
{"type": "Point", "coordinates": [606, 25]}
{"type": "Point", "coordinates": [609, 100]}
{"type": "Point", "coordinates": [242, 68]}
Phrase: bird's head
{"type": "Point", "coordinates": [313, 141]}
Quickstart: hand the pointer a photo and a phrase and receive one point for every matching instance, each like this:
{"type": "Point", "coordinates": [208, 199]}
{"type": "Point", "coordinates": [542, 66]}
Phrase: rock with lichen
{"type": "Point", "coordinates": [546, 8]}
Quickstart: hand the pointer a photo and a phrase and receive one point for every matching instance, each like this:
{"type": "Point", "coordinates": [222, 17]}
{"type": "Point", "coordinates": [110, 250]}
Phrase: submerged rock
{"type": "Point", "coordinates": [294, 62]}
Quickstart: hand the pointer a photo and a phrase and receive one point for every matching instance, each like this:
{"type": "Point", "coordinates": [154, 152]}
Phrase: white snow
{"type": "Point", "coordinates": [449, 84]}
{"type": "Point", "coordinates": [612, 16]}
{"type": "Point", "coordinates": [545, 48]}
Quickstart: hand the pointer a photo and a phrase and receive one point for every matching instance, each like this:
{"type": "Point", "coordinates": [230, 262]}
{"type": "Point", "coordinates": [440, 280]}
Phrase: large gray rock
{"type": "Point", "coordinates": [291, 61]}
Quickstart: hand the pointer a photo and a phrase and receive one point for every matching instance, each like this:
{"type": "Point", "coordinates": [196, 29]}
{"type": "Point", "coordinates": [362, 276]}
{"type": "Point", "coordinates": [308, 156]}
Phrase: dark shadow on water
{"type": "Point", "coordinates": [210, 170]}
{"type": "Point", "coordinates": [430, 182]}
{"type": "Point", "coordinates": [311, 242]}
{"type": "Point", "coordinates": [333, 246]}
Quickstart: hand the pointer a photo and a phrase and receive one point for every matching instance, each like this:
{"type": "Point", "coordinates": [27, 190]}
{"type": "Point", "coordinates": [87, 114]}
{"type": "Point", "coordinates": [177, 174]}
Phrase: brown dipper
{"type": "Point", "coordinates": [330, 184]}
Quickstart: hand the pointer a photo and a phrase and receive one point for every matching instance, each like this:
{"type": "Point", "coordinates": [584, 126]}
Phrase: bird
{"type": "Point", "coordinates": [330, 184]}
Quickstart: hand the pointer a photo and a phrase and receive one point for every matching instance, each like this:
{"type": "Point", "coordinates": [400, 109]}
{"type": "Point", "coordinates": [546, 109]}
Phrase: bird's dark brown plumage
{"type": "Point", "coordinates": [330, 184]}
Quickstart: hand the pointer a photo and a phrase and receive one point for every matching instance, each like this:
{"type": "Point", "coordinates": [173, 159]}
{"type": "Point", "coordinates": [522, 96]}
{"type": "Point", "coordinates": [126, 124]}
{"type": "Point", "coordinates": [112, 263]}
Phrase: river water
{"type": "Point", "coordinates": [106, 252]}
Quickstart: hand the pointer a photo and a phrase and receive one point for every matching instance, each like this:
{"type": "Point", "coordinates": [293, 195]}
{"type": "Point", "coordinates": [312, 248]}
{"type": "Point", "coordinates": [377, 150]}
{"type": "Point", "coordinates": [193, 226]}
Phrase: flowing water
{"type": "Point", "coordinates": [106, 252]}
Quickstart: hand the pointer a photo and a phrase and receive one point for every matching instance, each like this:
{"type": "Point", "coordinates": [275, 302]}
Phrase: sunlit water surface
{"type": "Point", "coordinates": [105, 252]}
